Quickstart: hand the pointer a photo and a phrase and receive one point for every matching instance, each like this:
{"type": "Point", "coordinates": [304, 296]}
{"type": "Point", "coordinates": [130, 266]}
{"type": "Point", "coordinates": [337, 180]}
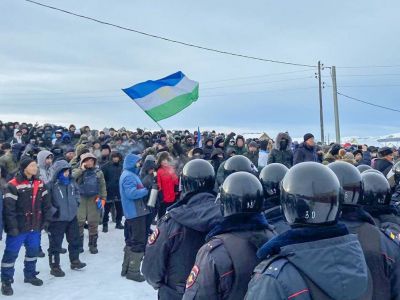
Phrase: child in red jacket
{"type": "Point", "coordinates": [167, 181]}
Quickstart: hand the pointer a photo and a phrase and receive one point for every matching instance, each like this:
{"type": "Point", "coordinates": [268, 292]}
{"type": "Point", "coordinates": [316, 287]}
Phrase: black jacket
{"type": "Point", "coordinates": [383, 165]}
{"type": "Point", "coordinates": [112, 173]}
{"type": "Point", "coordinates": [225, 263]}
{"type": "Point", "coordinates": [21, 214]}
{"type": "Point", "coordinates": [282, 156]}
{"type": "Point", "coordinates": [171, 250]}
{"type": "Point", "coordinates": [381, 253]}
{"type": "Point", "coordinates": [304, 153]}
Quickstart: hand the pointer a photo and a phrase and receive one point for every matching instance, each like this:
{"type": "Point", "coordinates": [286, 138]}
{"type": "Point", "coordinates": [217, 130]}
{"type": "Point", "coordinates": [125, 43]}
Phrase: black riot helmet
{"type": "Point", "coordinates": [238, 163]}
{"type": "Point", "coordinates": [396, 171]}
{"type": "Point", "coordinates": [271, 176]}
{"type": "Point", "coordinates": [241, 193]}
{"type": "Point", "coordinates": [376, 189]}
{"type": "Point", "coordinates": [373, 171]}
{"type": "Point", "coordinates": [198, 176]}
{"type": "Point", "coordinates": [350, 181]}
{"type": "Point", "coordinates": [310, 195]}
{"type": "Point", "coordinates": [363, 168]}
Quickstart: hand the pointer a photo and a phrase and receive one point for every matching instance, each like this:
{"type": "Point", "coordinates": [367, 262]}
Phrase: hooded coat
{"type": "Point", "coordinates": [65, 198]}
{"type": "Point", "coordinates": [180, 234]}
{"type": "Point", "coordinates": [282, 156]}
{"type": "Point", "coordinates": [132, 191]}
{"type": "Point", "coordinates": [44, 170]}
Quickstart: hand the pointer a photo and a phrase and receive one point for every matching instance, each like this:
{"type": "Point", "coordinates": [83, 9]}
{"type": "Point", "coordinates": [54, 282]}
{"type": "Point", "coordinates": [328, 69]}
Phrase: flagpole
{"type": "Point", "coordinates": [159, 125]}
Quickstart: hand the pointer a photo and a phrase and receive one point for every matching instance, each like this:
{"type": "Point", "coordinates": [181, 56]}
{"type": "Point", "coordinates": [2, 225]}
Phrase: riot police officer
{"type": "Point", "coordinates": [225, 263]}
{"type": "Point", "coordinates": [171, 249]}
{"type": "Point", "coordinates": [271, 177]}
{"type": "Point", "coordinates": [315, 245]}
{"type": "Point", "coordinates": [381, 253]}
{"type": "Point", "coordinates": [234, 164]}
{"type": "Point", "coordinates": [376, 201]}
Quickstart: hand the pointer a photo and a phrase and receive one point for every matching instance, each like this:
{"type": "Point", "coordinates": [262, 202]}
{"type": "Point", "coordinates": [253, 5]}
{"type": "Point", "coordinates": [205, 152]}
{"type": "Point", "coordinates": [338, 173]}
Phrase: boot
{"type": "Point", "coordinates": [55, 269]}
{"type": "Point", "coordinates": [119, 225]}
{"type": "Point", "coordinates": [81, 238]}
{"type": "Point", "coordinates": [77, 264]}
{"type": "Point", "coordinates": [34, 281]}
{"type": "Point", "coordinates": [105, 227]}
{"type": "Point", "coordinates": [93, 244]}
{"type": "Point", "coordinates": [134, 267]}
{"type": "Point", "coordinates": [63, 251]}
{"type": "Point", "coordinates": [41, 253]}
{"type": "Point", "coordinates": [6, 288]}
{"type": "Point", "coordinates": [125, 263]}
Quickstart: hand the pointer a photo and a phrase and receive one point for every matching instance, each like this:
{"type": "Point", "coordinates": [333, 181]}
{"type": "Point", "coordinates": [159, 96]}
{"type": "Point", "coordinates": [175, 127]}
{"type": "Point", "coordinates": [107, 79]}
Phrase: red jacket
{"type": "Point", "coordinates": [167, 180]}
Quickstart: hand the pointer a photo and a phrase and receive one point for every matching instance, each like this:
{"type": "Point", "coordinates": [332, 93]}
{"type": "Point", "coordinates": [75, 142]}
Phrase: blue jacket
{"type": "Point", "coordinates": [133, 193]}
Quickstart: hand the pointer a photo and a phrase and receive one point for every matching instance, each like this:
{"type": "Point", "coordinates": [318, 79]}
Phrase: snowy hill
{"type": "Point", "coordinates": [100, 280]}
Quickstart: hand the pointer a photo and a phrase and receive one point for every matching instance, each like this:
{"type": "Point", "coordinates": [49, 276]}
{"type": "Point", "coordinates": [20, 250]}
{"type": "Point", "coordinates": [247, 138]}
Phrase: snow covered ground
{"type": "Point", "coordinates": [100, 280]}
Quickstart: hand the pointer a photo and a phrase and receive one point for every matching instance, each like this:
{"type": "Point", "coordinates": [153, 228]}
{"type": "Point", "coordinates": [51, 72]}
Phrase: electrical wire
{"type": "Point", "coordinates": [368, 103]}
{"type": "Point", "coordinates": [169, 39]}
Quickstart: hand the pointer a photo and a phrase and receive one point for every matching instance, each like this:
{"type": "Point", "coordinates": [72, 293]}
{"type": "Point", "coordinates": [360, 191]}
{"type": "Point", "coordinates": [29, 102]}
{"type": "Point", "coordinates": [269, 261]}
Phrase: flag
{"type": "Point", "coordinates": [199, 143]}
{"type": "Point", "coordinates": [165, 97]}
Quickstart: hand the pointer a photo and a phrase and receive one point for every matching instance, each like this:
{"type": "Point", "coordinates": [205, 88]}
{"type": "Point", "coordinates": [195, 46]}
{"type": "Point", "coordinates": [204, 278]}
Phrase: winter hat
{"type": "Point", "coordinates": [69, 149]}
{"type": "Point", "coordinates": [385, 151]}
{"type": "Point", "coordinates": [105, 146]}
{"type": "Point", "coordinates": [198, 151]}
{"type": "Point", "coordinates": [6, 146]}
{"type": "Point", "coordinates": [357, 152]}
{"type": "Point", "coordinates": [308, 136]}
{"type": "Point", "coordinates": [87, 156]}
{"type": "Point", "coordinates": [25, 162]}
{"type": "Point", "coordinates": [253, 144]}
{"type": "Point", "coordinates": [349, 156]}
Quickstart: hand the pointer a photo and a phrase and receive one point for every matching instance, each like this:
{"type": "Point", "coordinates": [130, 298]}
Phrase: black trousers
{"type": "Point", "coordinates": [135, 232]}
{"type": "Point", "coordinates": [56, 237]}
{"type": "Point", "coordinates": [118, 210]}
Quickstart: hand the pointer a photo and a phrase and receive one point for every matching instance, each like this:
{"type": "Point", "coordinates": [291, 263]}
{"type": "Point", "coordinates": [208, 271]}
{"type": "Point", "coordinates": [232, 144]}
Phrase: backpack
{"type": "Point", "coordinates": [90, 185]}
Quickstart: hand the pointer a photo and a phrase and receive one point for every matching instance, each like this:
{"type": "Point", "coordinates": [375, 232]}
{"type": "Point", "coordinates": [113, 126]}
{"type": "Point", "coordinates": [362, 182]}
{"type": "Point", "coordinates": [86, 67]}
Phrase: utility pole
{"type": "Point", "coordinates": [335, 104]}
{"type": "Point", "coordinates": [321, 114]}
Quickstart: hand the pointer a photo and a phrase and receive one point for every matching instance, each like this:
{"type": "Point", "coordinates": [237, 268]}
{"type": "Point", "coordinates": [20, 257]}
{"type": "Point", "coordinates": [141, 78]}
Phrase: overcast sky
{"type": "Point", "coordinates": [59, 68]}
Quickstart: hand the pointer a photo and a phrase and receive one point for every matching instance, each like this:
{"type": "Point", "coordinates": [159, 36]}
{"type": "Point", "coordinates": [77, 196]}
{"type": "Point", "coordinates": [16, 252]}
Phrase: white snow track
{"type": "Point", "coordinates": [100, 279]}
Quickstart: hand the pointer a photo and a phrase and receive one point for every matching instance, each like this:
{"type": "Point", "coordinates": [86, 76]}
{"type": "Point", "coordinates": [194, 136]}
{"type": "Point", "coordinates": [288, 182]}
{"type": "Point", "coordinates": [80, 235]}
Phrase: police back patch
{"type": "Point", "coordinates": [153, 237]}
{"type": "Point", "coordinates": [192, 276]}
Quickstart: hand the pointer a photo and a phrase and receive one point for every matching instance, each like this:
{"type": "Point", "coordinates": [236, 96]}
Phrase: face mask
{"type": "Point", "coordinates": [283, 144]}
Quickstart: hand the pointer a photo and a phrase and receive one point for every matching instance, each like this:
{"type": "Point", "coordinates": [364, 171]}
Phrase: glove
{"type": "Point", "coordinates": [14, 232]}
{"type": "Point", "coordinates": [100, 203]}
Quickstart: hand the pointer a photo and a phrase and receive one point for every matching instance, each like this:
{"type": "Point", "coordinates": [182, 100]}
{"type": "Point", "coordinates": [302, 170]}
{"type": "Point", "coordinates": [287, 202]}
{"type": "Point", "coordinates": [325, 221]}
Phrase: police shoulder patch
{"type": "Point", "coordinates": [393, 235]}
{"type": "Point", "coordinates": [153, 237]}
{"type": "Point", "coordinates": [192, 277]}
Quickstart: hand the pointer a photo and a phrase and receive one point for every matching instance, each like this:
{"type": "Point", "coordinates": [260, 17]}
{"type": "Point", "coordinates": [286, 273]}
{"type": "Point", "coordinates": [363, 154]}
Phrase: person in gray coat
{"type": "Point", "coordinates": [317, 258]}
{"type": "Point", "coordinates": [45, 160]}
{"type": "Point", "coordinates": [65, 201]}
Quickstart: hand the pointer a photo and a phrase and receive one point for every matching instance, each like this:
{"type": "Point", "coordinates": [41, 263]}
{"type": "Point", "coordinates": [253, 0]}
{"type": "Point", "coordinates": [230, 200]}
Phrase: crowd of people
{"type": "Point", "coordinates": [206, 215]}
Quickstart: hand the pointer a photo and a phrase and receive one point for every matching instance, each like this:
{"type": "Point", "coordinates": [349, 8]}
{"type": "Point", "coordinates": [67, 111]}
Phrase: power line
{"type": "Point", "coordinates": [369, 67]}
{"type": "Point", "coordinates": [95, 100]}
{"type": "Point", "coordinates": [368, 103]}
{"type": "Point", "coordinates": [169, 39]}
{"type": "Point", "coordinates": [369, 85]}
